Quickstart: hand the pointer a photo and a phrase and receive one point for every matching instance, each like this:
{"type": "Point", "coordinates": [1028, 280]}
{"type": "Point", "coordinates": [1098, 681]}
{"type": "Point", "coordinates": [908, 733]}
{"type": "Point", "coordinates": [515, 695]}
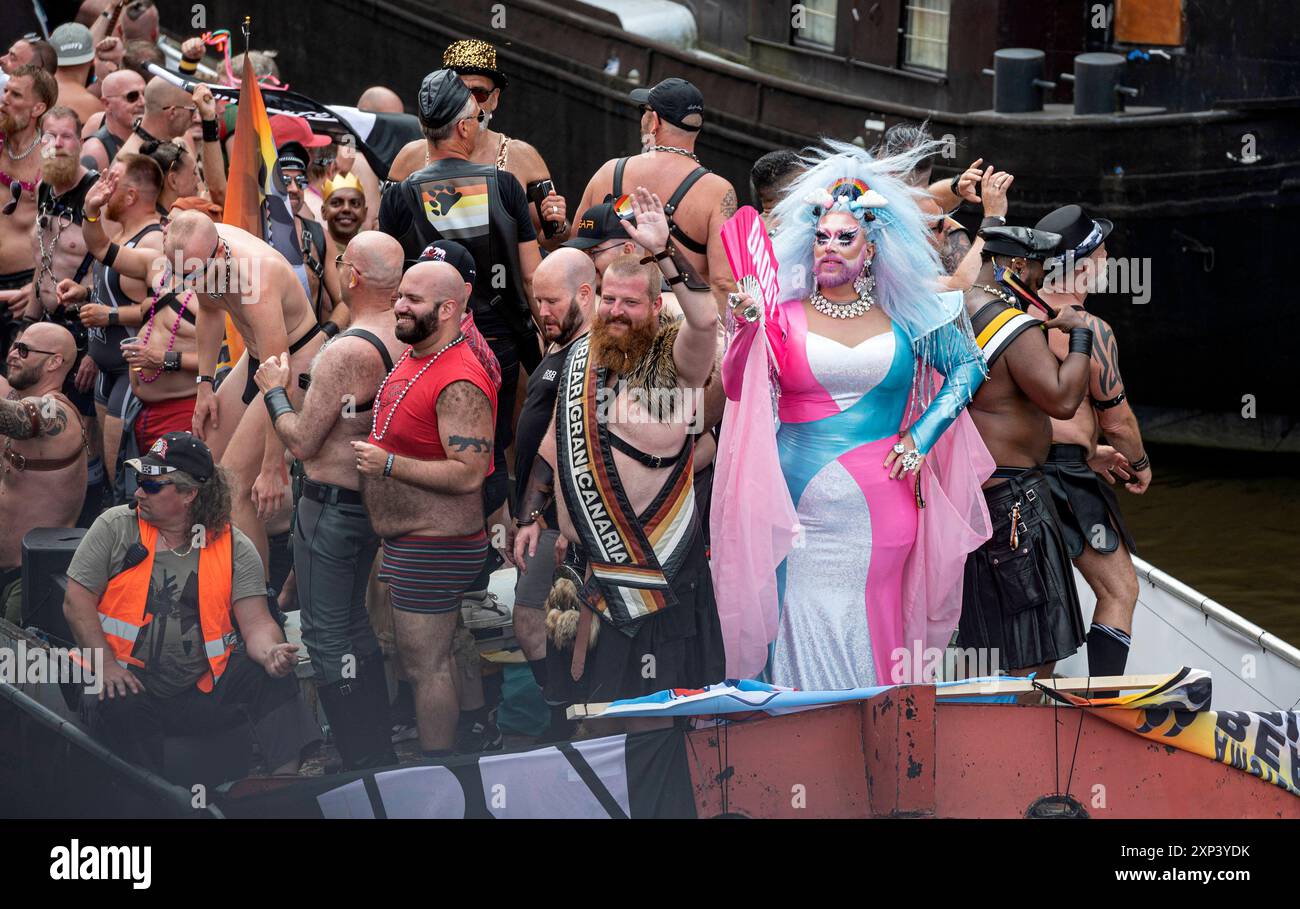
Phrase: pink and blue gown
{"type": "Point", "coordinates": [840, 589]}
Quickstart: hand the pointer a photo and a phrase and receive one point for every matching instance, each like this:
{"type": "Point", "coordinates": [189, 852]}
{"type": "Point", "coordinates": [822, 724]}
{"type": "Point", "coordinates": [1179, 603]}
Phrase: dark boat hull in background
{"type": "Point", "coordinates": [1214, 233]}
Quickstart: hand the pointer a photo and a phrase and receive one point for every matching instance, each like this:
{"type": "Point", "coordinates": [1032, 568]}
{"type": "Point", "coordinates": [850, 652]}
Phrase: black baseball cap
{"type": "Point", "coordinates": [676, 100]}
{"type": "Point", "coordinates": [176, 451]}
{"type": "Point", "coordinates": [455, 255]}
{"type": "Point", "coordinates": [599, 224]}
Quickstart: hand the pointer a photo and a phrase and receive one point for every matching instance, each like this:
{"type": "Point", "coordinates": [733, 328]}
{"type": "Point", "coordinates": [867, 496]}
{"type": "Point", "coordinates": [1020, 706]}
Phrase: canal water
{"type": "Point", "coordinates": [1228, 524]}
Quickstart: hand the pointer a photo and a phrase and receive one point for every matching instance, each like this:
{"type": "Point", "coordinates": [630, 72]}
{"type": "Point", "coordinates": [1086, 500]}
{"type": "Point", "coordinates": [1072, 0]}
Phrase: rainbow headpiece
{"type": "Point", "coordinates": [849, 195]}
{"type": "Point", "coordinates": [342, 181]}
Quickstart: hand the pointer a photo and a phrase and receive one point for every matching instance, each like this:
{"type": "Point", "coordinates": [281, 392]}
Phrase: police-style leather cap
{"type": "Point", "coordinates": [442, 97]}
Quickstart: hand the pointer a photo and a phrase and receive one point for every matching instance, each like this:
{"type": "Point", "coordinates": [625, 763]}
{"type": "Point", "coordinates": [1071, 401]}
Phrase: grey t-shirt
{"type": "Point", "coordinates": [171, 644]}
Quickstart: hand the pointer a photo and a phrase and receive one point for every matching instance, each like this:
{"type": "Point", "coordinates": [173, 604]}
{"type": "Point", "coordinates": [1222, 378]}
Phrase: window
{"type": "Point", "coordinates": [925, 33]}
{"type": "Point", "coordinates": [817, 23]}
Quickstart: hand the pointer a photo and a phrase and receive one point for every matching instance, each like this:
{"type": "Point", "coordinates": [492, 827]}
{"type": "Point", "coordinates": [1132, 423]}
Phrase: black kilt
{"type": "Point", "coordinates": [1087, 506]}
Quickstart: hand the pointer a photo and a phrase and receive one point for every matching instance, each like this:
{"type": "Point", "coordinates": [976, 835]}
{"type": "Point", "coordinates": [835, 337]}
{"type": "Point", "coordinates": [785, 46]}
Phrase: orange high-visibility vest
{"type": "Point", "coordinates": [122, 607]}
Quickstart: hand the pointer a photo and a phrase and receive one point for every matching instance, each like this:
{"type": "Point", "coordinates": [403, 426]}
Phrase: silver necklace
{"type": "Point", "coordinates": [31, 148]}
{"type": "Point", "coordinates": [863, 284]}
{"type": "Point", "coordinates": [374, 419]}
{"type": "Point", "coordinates": [180, 555]}
{"type": "Point", "coordinates": [676, 151]}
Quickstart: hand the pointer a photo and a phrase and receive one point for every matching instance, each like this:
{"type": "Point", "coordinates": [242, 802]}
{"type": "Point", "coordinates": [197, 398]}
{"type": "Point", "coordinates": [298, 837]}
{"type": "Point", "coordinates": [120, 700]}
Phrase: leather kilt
{"type": "Point", "coordinates": [1086, 503]}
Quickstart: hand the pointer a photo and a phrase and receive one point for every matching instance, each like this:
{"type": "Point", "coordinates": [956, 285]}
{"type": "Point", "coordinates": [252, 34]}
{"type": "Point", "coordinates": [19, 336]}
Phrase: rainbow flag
{"type": "Point", "coordinates": [255, 199]}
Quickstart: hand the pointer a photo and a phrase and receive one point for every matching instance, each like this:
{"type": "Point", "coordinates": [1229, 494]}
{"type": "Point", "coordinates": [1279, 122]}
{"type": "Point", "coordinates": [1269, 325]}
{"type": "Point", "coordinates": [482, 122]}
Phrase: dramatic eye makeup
{"type": "Point", "coordinates": [845, 237]}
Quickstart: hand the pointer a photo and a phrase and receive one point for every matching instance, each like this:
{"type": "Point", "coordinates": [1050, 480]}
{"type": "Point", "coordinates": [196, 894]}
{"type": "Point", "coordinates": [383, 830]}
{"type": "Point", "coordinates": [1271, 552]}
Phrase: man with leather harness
{"type": "Point", "coordinates": [43, 462]}
{"type": "Point", "coordinates": [624, 472]}
{"type": "Point", "coordinates": [1095, 535]}
{"type": "Point", "coordinates": [308, 256]}
{"type": "Point", "coordinates": [697, 201]}
{"type": "Point", "coordinates": [123, 97]}
{"type": "Point", "coordinates": [227, 271]}
{"type": "Point", "coordinates": [1019, 601]}
{"type": "Point", "coordinates": [333, 540]}
{"type": "Point", "coordinates": [485, 210]}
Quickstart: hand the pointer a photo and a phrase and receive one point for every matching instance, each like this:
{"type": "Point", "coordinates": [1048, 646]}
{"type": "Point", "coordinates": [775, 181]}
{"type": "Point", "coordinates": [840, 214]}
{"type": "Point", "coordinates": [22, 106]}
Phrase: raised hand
{"type": "Point", "coordinates": [99, 193]}
{"type": "Point", "coordinates": [651, 229]}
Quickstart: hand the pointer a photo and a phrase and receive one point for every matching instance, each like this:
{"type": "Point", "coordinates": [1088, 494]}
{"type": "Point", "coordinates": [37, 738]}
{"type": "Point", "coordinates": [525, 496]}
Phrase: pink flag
{"type": "Point", "coordinates": [753, 521]}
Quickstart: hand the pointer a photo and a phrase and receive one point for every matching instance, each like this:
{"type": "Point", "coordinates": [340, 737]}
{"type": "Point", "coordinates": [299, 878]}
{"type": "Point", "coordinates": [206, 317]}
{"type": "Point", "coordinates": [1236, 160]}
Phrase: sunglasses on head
{"type": "Point", "coordinates": [25, 349]}
{"type": "Point", "coordinates": [153, 487]}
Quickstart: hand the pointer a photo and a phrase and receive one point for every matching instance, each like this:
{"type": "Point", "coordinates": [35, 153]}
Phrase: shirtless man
{"type": "Point", "coordinates": [1026, 630]}
{"type": "Point", "coordinates": [1095, 533]}
{"type": "Point", "coordinates": [672, 114]}
{"type": "Point", "coordinates": [76, 56]}
{"type": "Point", "coordinates": [318, 266]}
{"type": "Point", "coordinates": [422, 469]}
{"type": "Point", "coordinates": [168, 113]}
{"type": "Point", "coordinates": [123, 97]}
{"type": "Point", "coordinates": [675, 621]}
{"type": "Point", "coordinates": [241, 276]}
{"type": "Point", "coordinates": [334, 543]}
{"type": "Point", "coordinates": [43, 465]}
{"type": "Point", "coordinates": [476, 63]}
{"type": "Point", "coordinates": [28, 94]}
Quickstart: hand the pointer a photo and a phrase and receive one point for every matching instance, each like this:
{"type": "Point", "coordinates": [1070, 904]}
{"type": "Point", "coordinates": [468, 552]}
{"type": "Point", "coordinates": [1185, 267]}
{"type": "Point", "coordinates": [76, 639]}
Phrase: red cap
{"type": "Point", "coordinates": [287, 128]}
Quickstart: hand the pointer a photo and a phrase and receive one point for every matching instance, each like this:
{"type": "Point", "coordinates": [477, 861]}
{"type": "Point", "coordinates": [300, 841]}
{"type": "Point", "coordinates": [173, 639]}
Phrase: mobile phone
{"type": "Point", "coordinates": [537, 191]}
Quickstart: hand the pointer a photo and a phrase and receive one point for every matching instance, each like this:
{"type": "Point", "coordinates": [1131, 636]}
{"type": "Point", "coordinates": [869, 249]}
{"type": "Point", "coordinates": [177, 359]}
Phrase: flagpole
{"type": "Point", "coordinates": [247, 29]}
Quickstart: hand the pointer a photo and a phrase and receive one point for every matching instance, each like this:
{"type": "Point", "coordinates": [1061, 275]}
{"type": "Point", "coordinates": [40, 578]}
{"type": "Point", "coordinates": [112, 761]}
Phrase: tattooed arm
{"type": "Point", "coordinates": [16, 418]}
{"type": "Point", "coordinates": [720, 277]}
{"type": "Point", "coordinates": [465, 427]}
{"type": "Point", "coordinates": [1118, 422]}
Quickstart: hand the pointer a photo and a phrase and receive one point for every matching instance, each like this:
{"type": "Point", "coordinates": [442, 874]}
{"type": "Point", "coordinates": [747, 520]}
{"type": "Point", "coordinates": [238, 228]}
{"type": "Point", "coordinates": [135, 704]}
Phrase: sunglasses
{"type": "Point", "coordinates": [153, 487]}
{"type": "Point", "coordinates": [130, 97]}
{"type": "Point", "coordinates": [286, 179]}
{"type": "Point", "coordinates": [24, 350]}
{"type": "Point", "coordinates": [185, 107]}
{"type": "Point", "coordinates": [482, 114]}
{"type": "Point", "coordinates": [16, 190]}
{"type": "Point", "coordinates": [481, 94]}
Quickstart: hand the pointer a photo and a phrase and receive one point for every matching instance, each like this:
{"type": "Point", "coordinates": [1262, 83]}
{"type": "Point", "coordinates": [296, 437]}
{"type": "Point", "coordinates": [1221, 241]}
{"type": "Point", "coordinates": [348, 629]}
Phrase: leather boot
{"type": "Point", "coordinates": [374, 697]}
{"type": "Point", "coordinates": [346, 707]}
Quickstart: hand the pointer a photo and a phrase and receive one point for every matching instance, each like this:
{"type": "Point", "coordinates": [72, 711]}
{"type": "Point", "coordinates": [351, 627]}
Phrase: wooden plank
{"type": "Point", "coordinates": [1009, 686]}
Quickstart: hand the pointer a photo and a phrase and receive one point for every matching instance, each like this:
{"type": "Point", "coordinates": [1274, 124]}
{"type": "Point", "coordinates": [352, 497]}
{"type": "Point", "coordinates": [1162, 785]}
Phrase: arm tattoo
{"type": "Point", "coordinates": [1106, 353]}
{"type": "Point", "coordinates": [461, 443]}
{"type": "Point", "coordinates": [956, 245]}
{"type": "Point", "coordinates": [728, 206]}
{"type": "Point", "coordinates": [17, 424]}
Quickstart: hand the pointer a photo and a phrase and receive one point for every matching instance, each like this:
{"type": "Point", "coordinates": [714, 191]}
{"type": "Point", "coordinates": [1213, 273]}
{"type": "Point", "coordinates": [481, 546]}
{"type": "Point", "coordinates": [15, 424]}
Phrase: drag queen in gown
{"type": "Point", "coordinates": [873, 367]}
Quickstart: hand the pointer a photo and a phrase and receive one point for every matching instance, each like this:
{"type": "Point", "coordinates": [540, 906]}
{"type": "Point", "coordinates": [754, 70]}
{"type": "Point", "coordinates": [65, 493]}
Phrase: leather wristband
{"type": "Point", "coordinates": [329, 329]}
{"type": "Point", "coordinates": [114, 318]}
{"type": "Point", "coordinates": [675, 279]}
{"type": "Point", "coordinates": [110, 256]}
{"type": "Point", "coordinates": [953, 185]}
{"type": "Point", "coordinates": [210, 131]}
{"type": "Point", "coordinates": [172, 361]}
{"type": "Point", "coordinates": [200, 379]}
{"type": "Point", "coordinates": [993, 221]}
{"type": "Point", "coordinates": [277, 403]}
{"type": "Point", "coordinates": [1141, 463]}
{"type": "Point", "coordinates": [388, 465]}
{"type": "Point", "coordinates": [1081, 341]}
{"type": "Point", "coordinates": [189, 67]}
{"type": "Point", "coordinates": [659, 257]}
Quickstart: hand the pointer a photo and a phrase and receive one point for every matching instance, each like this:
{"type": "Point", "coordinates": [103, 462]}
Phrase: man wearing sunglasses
{"type": "Point", "coordinates": [334, 542]}
{"type": "Point", "coordinates": [167, 587]}
{"type": "Point", "coordinates": [315, 265]}
{"type": "Point", "coordinates": [168, 113]}
{"type": "Point", "coordinates": [223, 270]}
{"type": "Point", "coordinates": [43, 458]}
{"type": "Point", "coordinates": [123, 97]}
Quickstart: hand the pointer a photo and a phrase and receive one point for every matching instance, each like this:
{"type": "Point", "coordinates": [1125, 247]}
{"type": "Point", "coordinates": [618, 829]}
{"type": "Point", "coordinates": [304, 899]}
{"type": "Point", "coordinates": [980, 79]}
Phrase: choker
{"type": "Point", "coordinates": [144, 134]}
{"type": "Point", "coordinates": [676, 151]}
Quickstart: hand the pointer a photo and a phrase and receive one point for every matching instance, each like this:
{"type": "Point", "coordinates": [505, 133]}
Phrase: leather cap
{"type": "Point", "coordinates": [1024, 242]}
{"type": "Point", "coordinates": [442, 97]}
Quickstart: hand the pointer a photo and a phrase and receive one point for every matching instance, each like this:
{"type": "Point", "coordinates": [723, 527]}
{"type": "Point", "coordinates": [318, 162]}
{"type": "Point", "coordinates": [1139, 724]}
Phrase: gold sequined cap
{"type": "Point", "coordinates": [474, 57]}
{"type": "Point", "coordinates": [342, 181]}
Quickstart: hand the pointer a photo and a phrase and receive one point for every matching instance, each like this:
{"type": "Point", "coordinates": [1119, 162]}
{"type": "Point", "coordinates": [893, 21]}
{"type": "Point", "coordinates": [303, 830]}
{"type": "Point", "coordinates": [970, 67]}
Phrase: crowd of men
{"type": "Point", "coordinates": [395, 402]}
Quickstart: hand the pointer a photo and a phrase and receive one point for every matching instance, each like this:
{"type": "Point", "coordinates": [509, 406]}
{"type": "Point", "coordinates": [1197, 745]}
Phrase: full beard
{"type": "Point", "coordinates": [832, 271]}
{"type": "Point", "coordinates": [60, 170]}
{"type": "Point", "coordinates": [419, 330]}
{"type": "Point", "coordinates": [9, 126]}
{"type": "Point", "coordinates": [21, 379]}
{"type": "Point", "coordinates": [619, 353]}
{"type": "Point", "coordinates": [565, 331]}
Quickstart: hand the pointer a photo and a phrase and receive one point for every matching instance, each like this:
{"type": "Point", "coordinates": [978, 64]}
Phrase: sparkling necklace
{"type": "Point", "coordinates": [998, 292]}
{"type": "Point", "coordinates": [676, 151]}
{"type": "Point", "coordinates": [148, 330]}
{"type": "Point", "coordinates": [850, 310]}
{"type": "Point", "coordinates": [31, 148]}
{"type": "Point", "coordinates": [374, 419]}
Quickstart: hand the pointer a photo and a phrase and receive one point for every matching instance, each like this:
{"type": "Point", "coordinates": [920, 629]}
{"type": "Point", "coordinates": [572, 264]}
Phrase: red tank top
{"type": "Point", "coordinates": [413, 430]}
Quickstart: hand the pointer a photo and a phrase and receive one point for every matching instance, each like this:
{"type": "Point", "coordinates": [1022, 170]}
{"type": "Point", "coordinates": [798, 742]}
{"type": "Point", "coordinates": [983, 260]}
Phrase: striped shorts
{"type": "Point", "coordinates": [430, 574]}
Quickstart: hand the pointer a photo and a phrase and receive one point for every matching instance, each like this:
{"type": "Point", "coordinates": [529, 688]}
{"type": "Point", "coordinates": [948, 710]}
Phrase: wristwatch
{"type": "Point", "coordinates": [200, 379]}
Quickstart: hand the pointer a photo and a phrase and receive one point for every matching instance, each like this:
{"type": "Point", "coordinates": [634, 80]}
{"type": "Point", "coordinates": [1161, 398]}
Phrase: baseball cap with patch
{"type": "Point", "coordinates": [600, 223]}
{"type": "Point", "coordinates": [73, 44]}
{"type": "Point", "coordinates": [455, 255]}
{"type": "Point", "coordinates": [676, 100]}
{"type": "Point", "coordinates": [176, 451]}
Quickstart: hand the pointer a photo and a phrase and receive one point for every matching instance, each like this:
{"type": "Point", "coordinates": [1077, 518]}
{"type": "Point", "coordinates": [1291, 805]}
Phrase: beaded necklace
{"type": "Point", "coordinates": [374, 419]}
{"type": "Point", "coordinates": [148, 330]}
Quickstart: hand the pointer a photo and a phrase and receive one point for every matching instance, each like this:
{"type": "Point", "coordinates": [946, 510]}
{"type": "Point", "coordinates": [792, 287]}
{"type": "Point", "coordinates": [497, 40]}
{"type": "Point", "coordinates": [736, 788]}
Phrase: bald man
{"type": "Point", "coordinates": [123, 97]}
{"type": "Point", "coordinates": [334, 544]}
{"type": "Point", "coordinates": [565, 287]}
{"type": "Point", "coordinates": [379, 99]}
{"type": "Point", "coordinates": [43, 467]}
{"type": "Point", "coordinates": [168, 114]}
{"type": "Point", "coordinates": [222, 270]}
{"type": "Point", "coordinates": [422, 471]}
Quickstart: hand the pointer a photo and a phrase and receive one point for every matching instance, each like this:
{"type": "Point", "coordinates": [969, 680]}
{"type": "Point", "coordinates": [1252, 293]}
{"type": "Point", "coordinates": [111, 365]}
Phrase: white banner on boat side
{"type": "Point", "coordinates": [1174, 625]}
